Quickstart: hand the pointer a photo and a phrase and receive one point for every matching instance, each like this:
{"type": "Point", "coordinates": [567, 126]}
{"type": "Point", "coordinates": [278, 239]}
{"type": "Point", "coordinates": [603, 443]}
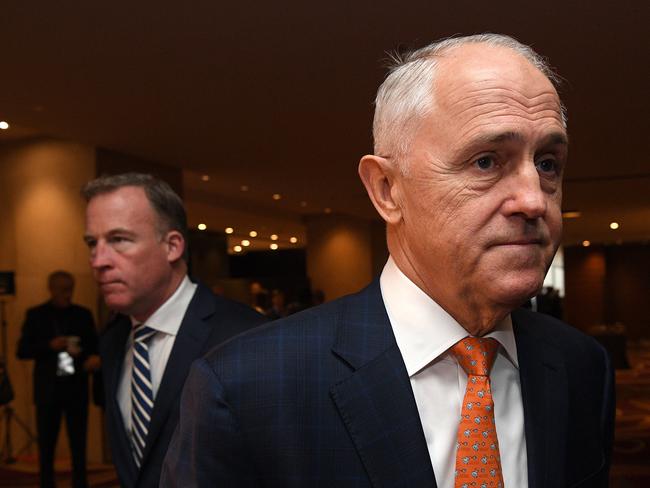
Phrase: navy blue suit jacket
{"type": "Point", "coordinates": [208, 321]}
{"type": "Point", "coordinates": [322, 398]}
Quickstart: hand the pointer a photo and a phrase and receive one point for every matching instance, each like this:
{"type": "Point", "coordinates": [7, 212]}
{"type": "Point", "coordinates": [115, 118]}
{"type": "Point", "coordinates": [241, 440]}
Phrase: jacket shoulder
{"type": "Point", "coordinates": [562, 336]}
{"type": "Point", "coordinates": [313, 329]}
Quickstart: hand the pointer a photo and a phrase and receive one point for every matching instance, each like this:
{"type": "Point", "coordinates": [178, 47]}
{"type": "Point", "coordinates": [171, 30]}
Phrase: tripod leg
{"type": "Point", "coordinates": [7, 455]}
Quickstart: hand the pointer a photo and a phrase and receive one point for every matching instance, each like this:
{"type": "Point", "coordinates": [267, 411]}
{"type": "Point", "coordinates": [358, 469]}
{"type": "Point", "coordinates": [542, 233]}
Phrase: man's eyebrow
{"type": "Point", "coordinates": [502, 137]}
{"type": "Point", "coordinates": [120, 230]}
{"type": "Point", "coordinates": [555, 138]}
{"type": "Point", "coordinates": [111, 233]}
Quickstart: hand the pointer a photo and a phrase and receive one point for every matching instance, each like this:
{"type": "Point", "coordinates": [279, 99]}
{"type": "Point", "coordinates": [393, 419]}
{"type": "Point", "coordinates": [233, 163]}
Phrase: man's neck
{"type": "Point", "coordinates": [478, 319]}
{"type": "Point", "coordinates": [172, 287]}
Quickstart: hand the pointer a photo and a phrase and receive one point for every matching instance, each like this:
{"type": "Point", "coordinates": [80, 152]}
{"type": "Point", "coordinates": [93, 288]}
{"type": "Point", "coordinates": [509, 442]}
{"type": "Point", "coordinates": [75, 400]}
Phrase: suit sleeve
{"type": "Point", "coordinates": [207, 448]}
{"type": "Point", "coordinates": [33, 344]}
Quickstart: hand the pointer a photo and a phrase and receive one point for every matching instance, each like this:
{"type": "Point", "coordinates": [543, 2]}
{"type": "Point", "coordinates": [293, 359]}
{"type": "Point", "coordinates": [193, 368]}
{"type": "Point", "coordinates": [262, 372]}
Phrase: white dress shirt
{"type": "Point", "coordinates": [424, 332]}
{"type": "Point", "coordinates": [166, 320]}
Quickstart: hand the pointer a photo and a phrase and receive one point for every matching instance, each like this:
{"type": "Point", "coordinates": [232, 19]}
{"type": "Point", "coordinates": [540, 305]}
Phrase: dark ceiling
{"type": "Point", "coordinates": [278, 95]}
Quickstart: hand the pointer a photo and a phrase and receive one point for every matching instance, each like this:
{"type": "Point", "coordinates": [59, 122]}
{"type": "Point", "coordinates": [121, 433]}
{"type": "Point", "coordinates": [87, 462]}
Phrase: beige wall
{"type": "Point", "coordinates": [41, 228]}
{"type": "Point", "coordinates": [342, 253]}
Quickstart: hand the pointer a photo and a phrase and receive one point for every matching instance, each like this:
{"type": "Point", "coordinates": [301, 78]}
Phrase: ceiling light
{"type": "Point", "coordinates": [277, 196]}
{"type": "Point", "coordinates": [229, 230]}
{"type": "Point", "coordinates": [253, 233]}
{"type": "Point", "coordinates": [328, 210]}
{"type": "Point", "coordinates": [586, 243]}
{"type": "Point", "coordinates": [614, 225]}
{"type": "Point", "coordinates": [245, 243]}
{"type": "Point", "coordinates": [571, 214]}
{"type": "Point", "coordinates": [273, 246]}
{"type": "Point", "coordinates": [205, 178]}
{"type": "Point", "coordinates": [293, 240]}
{"type": "Point", "coordinates": [201, 226]}
{"type": "Point", "coordinates": [244, 188]}
{"type": "Point", "coordinates": [4, 125]}
{"type": "Point", "coordinates": [274, 237]}
{"type": "Point", "coordinates": [237, 248]}
{"type": "Point", "coordinates": [303, 204]}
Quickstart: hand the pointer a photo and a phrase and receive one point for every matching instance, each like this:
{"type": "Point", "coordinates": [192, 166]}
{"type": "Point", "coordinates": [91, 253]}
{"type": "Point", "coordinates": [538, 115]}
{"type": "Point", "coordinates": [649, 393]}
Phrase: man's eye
{"type": "Point", "coordinates": [485, 162]}
{"type": "Point", "coordinates": [547, 166]}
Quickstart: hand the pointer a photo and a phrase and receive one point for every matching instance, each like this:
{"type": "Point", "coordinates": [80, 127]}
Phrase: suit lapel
{"type": "Point", "coordinates": [544, 389]}
{"type": "Point", "coordinates": [189, 343]}
{"type": "Point", "coordinates": [376, 401]}
{"type": "Point", "coordinates": [114, 361]}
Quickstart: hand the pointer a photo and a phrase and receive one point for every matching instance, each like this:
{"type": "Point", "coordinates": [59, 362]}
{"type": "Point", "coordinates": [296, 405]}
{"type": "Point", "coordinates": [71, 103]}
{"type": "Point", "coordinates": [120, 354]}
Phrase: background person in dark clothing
{"type": "Point", "coordinates": [61, 338]}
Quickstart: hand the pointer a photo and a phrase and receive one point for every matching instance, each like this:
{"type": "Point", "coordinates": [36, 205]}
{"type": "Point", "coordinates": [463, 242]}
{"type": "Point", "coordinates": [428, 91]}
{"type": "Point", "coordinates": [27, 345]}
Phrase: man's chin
{"type": "Point", "coordinates": [515, 292]}
{"type": "Point", "coordinates": [117, 303]}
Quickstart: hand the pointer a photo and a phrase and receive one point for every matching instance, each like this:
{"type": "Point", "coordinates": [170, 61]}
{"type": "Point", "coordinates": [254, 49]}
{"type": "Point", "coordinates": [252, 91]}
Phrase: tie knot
{"type": "Point", "coordinates": [143, 333]}
{"type": "Point", "coordinates": [476, 354]}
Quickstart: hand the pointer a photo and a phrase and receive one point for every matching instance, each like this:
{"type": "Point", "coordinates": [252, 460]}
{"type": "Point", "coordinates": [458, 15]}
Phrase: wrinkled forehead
{"type": "Point", "coordinates": [467, 73]}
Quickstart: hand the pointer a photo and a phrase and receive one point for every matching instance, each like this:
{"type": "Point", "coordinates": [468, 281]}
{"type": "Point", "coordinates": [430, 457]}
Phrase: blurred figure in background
{"type": "Point", "coordinates": [60, 336]}
{"type": "Point", "coordinates": [259, 297]}
{"type": "Point", "coordinates": [278, 308]}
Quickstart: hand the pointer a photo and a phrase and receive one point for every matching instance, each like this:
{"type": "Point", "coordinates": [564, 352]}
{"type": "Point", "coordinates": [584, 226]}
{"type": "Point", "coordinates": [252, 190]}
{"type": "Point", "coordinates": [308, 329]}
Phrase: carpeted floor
{"type": "Point", "coordinates": [24, 474]}
{"type": "Point", "coordinates": [631, 458]}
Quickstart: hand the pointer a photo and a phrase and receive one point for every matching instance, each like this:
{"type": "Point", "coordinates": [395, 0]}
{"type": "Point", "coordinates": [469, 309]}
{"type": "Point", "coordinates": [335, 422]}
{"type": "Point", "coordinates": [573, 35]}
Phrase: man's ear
{"type": "Point", "coordinates": [380, 177]}
{"type": "Point", "coordinates": [175, 245]}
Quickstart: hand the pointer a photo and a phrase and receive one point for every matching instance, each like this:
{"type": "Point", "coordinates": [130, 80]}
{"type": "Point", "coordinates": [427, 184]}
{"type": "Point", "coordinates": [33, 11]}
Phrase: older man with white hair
{"type": "Point", "coordinates": [432, 375]}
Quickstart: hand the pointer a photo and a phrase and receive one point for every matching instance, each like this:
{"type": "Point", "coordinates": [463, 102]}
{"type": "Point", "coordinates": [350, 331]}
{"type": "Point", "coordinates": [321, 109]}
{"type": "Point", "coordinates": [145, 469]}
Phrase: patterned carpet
{"type": "Point", "coordinates": [631, 462]}
{"type": "Point", "coordinates": [631, 459]}
{"type": "Point", "coordinates": [24, 474]}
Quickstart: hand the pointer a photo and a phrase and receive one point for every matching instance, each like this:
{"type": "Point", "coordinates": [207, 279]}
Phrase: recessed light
{"type": "Point", "coordinates": [274, 237]}
{"type": "Point", "coordinates": [328, 210]}
{"type": "Point", "coordinates": [205, 178]}
{"type": "Point", "coordinates": [201, 226]}
{"type": "Point", "coordinates": [586, 243]}
{"type": "Point", "coordinates": [237, 248]}
{"type": "Point", "coordinates": [244, 188]}
{"type": "Point", "coordinates": [614, 225]}
{"type": "Point", "coordinates": [253, 233]}
{"type": "Point", "coordinates": [4, 125]}
{"type": "Point", "coordinates": [303, 204]}
{"type": "Point", "coordinates": [277, 196]}
{"type": "Point", "coordinates": [571, 214]}
{"type": "Point", "coordinates": [293, 240]}
{"type": "Point", "coordinates": [245, 243]}
{"type": "Point", "coordinates": [229, 230]}
{"type": "Point", "coordinates": [273, 246]}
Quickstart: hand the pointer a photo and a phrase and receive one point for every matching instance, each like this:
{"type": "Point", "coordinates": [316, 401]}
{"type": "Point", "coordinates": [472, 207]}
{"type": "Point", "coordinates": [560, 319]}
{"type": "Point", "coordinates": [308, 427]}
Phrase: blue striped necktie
{"type": "Point", "coordinates": [141, 391]}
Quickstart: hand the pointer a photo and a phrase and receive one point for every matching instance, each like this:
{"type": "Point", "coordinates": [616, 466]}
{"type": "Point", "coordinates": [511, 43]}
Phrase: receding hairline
{"type": "Point", "coordinates": [408, 92]}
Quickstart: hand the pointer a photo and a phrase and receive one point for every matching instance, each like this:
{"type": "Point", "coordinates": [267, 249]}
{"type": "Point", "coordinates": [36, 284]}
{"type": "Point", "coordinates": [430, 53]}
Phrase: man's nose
{"type": "Point", "coordinates": [100, 256]}
{"type": "Point", "coordinates": [526, 195]}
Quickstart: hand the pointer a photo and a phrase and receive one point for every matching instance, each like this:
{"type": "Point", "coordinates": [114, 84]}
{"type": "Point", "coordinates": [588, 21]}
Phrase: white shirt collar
{"type": "Point", "coordinates": [168, 317]}
{"type": "Point", "coordinates": [424, 331]}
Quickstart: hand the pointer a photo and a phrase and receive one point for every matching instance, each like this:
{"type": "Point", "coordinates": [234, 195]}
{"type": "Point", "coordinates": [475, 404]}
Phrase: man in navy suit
{"type": "Point", "coordinates": [136, 231]}
{"type": "Point", "coordinates": [470, 147]}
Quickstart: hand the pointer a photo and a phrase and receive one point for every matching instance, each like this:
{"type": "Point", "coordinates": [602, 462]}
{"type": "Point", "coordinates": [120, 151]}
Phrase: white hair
{"type": "Point", "coordinates": [406, 95]}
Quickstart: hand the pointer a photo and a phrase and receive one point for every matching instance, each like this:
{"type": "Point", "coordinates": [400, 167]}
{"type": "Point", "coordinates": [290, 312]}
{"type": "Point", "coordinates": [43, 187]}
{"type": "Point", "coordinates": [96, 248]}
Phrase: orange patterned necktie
{"type": "Point", "coordinates": [478, 464]}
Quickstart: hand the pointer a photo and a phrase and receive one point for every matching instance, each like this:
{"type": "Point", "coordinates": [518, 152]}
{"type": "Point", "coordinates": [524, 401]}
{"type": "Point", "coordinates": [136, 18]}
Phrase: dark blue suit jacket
{"type": "Point", "coordinates": [209, 321]}
{"type": "Point", "coordinates": [322, 398]}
